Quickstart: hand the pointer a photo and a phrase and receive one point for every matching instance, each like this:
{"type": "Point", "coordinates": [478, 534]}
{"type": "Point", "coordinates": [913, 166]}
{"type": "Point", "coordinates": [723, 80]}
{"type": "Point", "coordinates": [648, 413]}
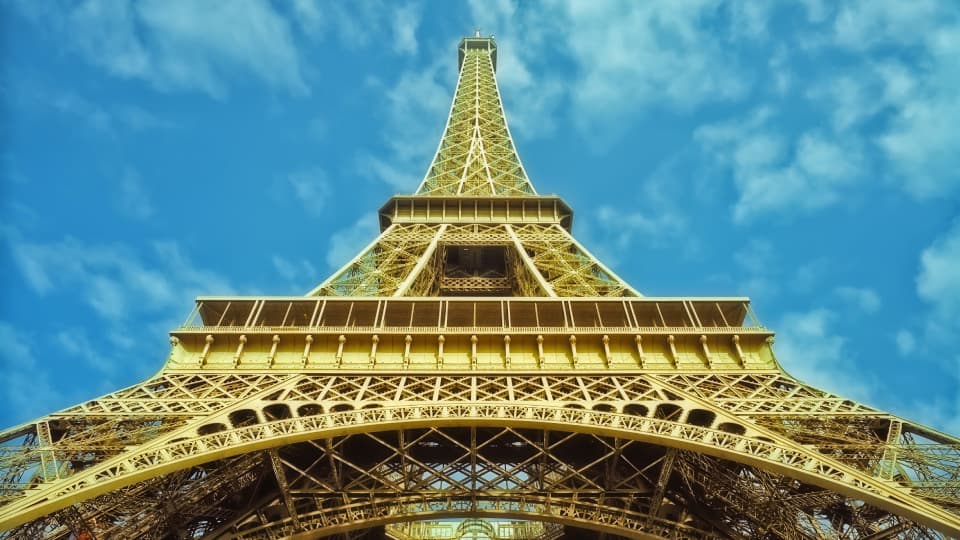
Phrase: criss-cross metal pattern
{"type": "Point", "coordinates": [476, 155]}
{"type": "Point", "coordinates": [475, 373]}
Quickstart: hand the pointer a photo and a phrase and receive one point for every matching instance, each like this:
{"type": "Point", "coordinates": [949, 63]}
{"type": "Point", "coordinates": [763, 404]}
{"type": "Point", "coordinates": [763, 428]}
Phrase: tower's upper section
{"type": "Point", "coordinates": [475, 226]}
{"type": "Point", "coordinates": [477, 42]}
{"type": "Point", "coordinates": [476, 156]}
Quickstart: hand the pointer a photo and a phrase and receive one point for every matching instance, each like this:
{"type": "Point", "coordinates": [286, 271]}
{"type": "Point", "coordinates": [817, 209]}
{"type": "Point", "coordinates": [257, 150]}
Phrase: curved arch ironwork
{"type": "Point", "coordinates": [559, 510]}
{"type": "Point", "coordinates": [766, 451]}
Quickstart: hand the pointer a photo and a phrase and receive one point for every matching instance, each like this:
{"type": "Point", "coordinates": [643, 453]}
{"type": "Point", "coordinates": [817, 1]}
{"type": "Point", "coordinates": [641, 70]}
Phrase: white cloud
{"type": "Point", "coordinates": [405, 20]}
{"type": "Point", "coordinates": [864, 23]}
{"type": "Point", "coordinates": [94, 115]}
{"type": "Point", "coordinates": [923, 146]}
{"type": "Point", "coordinates": [756, 254]}
{"type": "Point", "coordinates": [938, 282]}
{"type": "Point", "coordinates": [347, 243]}
{"type": "Point", "coordinates": [419, 95]}
{"type": "Point", "coordinates": [866, 300]}
{"type": "Point", "coordinates": [530, 100]}
{"type": "Point", "coordinates": [133, 297]}
{"type": "Point", "coordinates": [849, 99]}
{"type": "Point", "coordinates": [649, 216]}
{"type": "Point", "coordinates": [755, 152]}
{"type": "Point", "coordinates": [311, 188]}
{"type": "Point", "coordinates": [139, 119]}
{"type": "Point", "coordinates": [806, 276]}
{"type": "Point", "coordinates": [808, 349]}
{"type": "Point", "coordinates": [749, 19]}
{"type": "Point", "coordinates": [177, 44]}
{"type": "Point", "coordinates": [781, 66]}
{"type": "Point", "coordinates": [901, 88]}
{"type": "Point", "coordinates": [26, 389]}
{"type": "Point", "coordinates": [943, 414]}
{"type": "Point", "coordinates": [76, 342]}
{"type": "Point", "coordinates": [816, 10]}
{"type": "Point", "coordinates": [358, 24]}
{"type": "Point", "coordinates": [108, 119]}
{"type": "Point", "coordinates": [758, 262]}
{"type": "Point", "coordinates": [772, 180]}
{"type": "Point", "coordinates": [918, 110]}
{"type": "Point", "coordinates": [133, 199]}
{"type": "Point", "coordinates": [626, 57]}
{"type": "Point", "coordinates": [529, 103]}
{"type": "Point", "coordinates": [400, 177]}
{"type": "Point", "coordinates": [416, 108]}
{"type": "Point", "coordinates": [624, 227]}
{"type": "Point", "coordinates": [297, 272]}
{"type": "Point", "coordinates": [354, 24]}
{"type": "Point", "coordinates": [906, 343]}
{"type": "Point", "coordinates": [190, 280]}
{"type": "Point", "coordinates": [113, 279]}
{"type": "Point", "coordinates": [309, 17]}
{"type": "Point", "coordinates": [612, 230]}
{"type": "Point", "coordinates": [920, 140]}
{"type": "Point", "coordinates": [632, 55]}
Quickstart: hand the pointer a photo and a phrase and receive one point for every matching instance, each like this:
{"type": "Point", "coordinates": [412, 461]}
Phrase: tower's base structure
{"type": "Point", "coordinates": [475, 373]}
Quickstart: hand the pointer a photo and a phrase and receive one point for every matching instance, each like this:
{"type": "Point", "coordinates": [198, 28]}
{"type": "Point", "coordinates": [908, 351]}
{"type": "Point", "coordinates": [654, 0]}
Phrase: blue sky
{"type": "Point", "coordinates": [803, 154]}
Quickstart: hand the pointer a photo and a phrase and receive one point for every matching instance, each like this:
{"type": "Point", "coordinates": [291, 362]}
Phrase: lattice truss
{"type": "Point", "coordinates": [695, 438]}
{"type": "Point", "coordinates": [707, 455]}
{"type": "Point", "coordinates": [408, 260]}
{"type": "Point", "coordinates": [476, 155]}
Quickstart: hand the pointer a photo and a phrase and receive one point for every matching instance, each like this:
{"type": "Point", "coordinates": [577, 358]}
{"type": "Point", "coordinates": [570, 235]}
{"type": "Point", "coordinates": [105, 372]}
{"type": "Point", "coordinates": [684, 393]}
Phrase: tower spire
{"type": "Point", "coordinates": [475, 226]}
{"type": "Point", "coordinates": [476, 155]}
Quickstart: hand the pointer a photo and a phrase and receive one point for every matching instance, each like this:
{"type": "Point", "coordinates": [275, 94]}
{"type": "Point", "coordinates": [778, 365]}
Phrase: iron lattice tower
{"type": "Point", "coordinates": [475, 373]}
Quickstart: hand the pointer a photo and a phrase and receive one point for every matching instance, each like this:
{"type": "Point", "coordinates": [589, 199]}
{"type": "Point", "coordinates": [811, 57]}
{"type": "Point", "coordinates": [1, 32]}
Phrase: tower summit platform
{"type": "Point", "coordinates": [477, 43]}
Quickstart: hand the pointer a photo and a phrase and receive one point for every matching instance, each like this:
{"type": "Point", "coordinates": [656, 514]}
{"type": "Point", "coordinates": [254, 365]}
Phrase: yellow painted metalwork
{"type": "Point", "coordinates": [475, 373]}
{"type": "Point", "coordinates": [474, 529]}
{"type": "Point", "coordinates": [476, 155]}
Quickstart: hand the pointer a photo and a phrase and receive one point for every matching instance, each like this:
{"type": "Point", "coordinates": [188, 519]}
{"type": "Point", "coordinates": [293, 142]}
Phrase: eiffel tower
{"type": "Point", "coordinates": [475, 373]}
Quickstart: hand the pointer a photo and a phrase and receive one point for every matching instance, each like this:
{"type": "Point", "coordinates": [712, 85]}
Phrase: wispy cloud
{"type": "Point", "coordinates": [864, 299]}
{"type": "Point", "coordinates": [27, 391]}
{"type": "Point", "coordinates": [627, 56]}
{"type": "Point", "coordinates": [861, 24]}
{"type": "Point", "coordinates": [311, 188]}
{"type": "Point", "coordinates": [358, 24]}
{"type": "Point", "coordinates": [905, 341]}
{"type": "Point", "coordinates": [347, 243]}
{"type": "Point", "coordinates": [415, 108]}
{"type": "Point", "coordinates": [940, 413]}
{"type": "Point", "coordinates": [632, 55]}
{"type": "Point", "coordinates": [133, 199]}
{"type": "Point", "coordinates": [298, 273]}
{"type": "Point", "coordinates": [405, 20]}
{"type": "Point", "coordinates": [531, 100]}
{"type": "Point", "coordinates": [915, 102]}
{"type": "Point", "coordinates": [759, 273]}
{"type": "Point", "coordinates": [112, 119]}
{"type": "Point", "coordinates": [776, 175]}
{"type": "Point", "coordinates": [76, 342]}
{"type": "Point", "coordinates": [809, 349]}
{"type": "Point", "coordinates": [938, 282]}
{"type": "Point", "coordinates": [624, 228]}
{"type": "Point", "coordinates": [131, 294]}
{"type": "Point", "coordinates": [649, 217]}
{"type": "Point", "coordinates": [180, 45]}
{"type": "Point", "coordinates": [915, 106]}
{"type": "Point", "coordinates": [114, 280]}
